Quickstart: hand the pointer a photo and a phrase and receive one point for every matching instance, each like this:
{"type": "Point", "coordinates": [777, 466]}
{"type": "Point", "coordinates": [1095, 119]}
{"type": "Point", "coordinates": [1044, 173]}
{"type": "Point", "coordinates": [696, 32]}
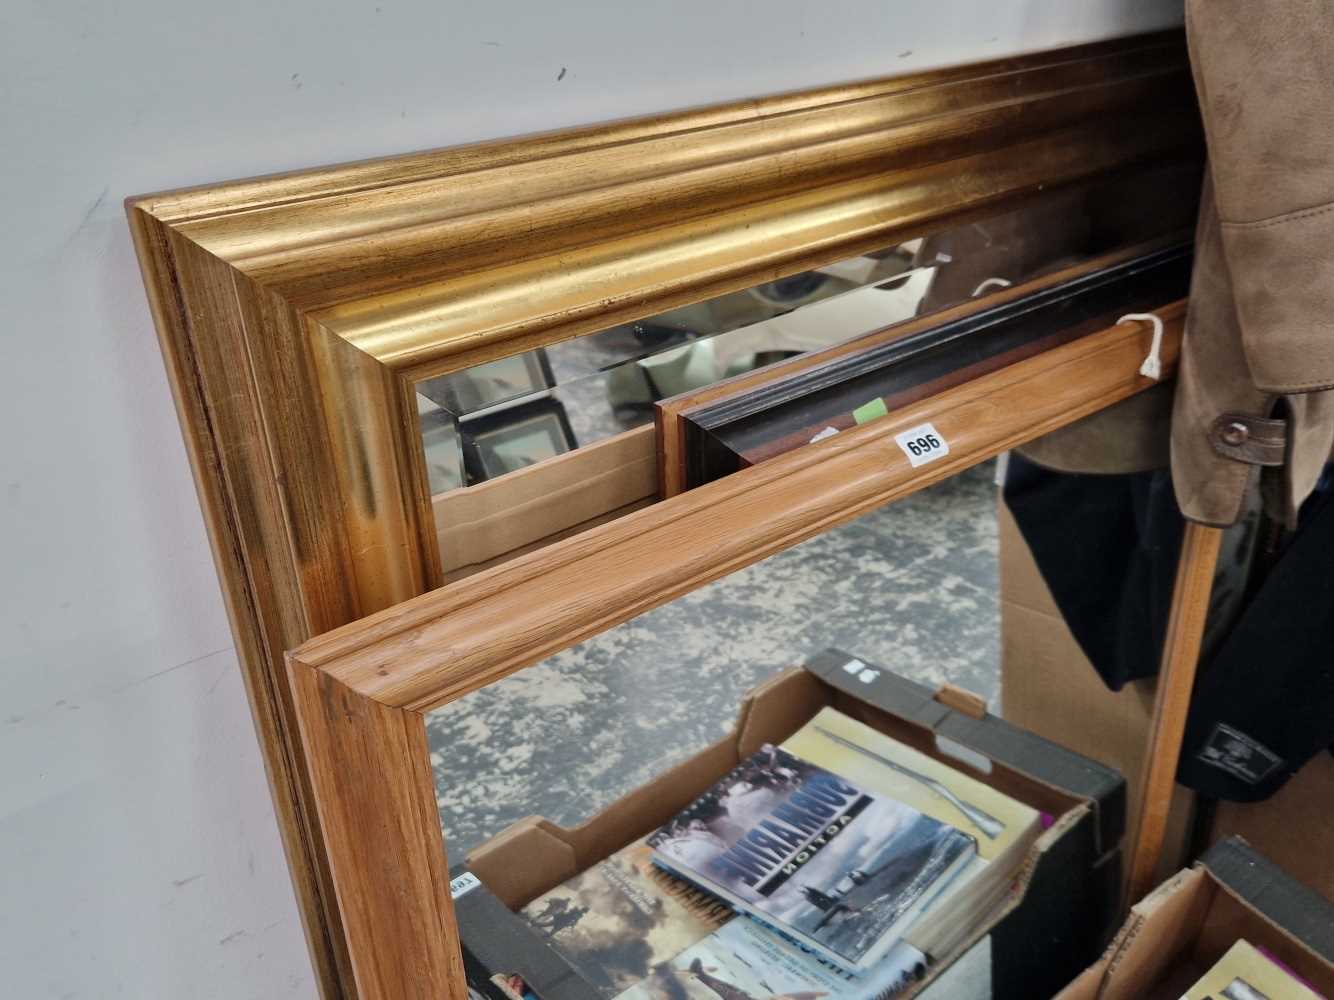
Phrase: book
{"type": "Point", "coordinates": [504, 958]}
{"type": "Point", "coordinates": [614, 922]}
{"type": "Point", "coordinates": [838, 869]}
{"type": "Point", "coordinates": [1245, 973]}
{"type": "Point", "coordinates": [744, 961]}
{"type": "Point", "coordinates": [1003, 827]}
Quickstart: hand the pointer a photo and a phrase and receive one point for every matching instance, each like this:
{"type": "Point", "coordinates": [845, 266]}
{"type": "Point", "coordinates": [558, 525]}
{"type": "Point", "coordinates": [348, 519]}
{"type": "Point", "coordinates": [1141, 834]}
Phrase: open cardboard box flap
{"type": "Point", "coordinates": [1066, 894]}
{"type": "Point", "coordinates": [1182, 928]}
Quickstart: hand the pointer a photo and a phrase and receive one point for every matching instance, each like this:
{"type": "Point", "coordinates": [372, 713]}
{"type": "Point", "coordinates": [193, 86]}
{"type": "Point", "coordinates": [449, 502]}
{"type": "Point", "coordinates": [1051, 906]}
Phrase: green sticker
{"type": "Point", "coordinates": [867, 412]}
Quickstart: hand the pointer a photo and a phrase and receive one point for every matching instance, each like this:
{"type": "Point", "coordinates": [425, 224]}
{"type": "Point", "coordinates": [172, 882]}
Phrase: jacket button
{"type": "Point", "coordinates": [1235, 434]}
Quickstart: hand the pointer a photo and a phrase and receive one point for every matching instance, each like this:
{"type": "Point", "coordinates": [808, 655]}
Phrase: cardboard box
{"type": "Point", "coordinates": [1176, 933]}
{"type": "Point", "coordinates": [1049, 687]}
{"type": "Point", "coordinates": [1055, 921]}
{"type": "Point", "coordinates": [1295, 826]}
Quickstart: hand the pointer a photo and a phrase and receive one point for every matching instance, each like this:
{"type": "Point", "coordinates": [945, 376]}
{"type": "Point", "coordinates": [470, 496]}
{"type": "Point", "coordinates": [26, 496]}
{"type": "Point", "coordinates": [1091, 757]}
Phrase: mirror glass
{"type": "Point", "coordinates": [912, 586]}
{"type": "Point", "coordinates": [510, 414]}
{"type": "Point", "coordinates": [529, 449]}
{"type": "Point", "coordinates": [905, 593]}
{"type": "Point", "coordinates": [1064, 587]}
{"type": "Point", "coordinates": [587, 791]}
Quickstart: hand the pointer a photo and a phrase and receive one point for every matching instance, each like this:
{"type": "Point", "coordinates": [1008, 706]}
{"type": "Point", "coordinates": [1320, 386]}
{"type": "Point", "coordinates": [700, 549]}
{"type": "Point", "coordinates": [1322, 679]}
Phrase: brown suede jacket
{"type": "Point", "coordinates": [1252, 394]}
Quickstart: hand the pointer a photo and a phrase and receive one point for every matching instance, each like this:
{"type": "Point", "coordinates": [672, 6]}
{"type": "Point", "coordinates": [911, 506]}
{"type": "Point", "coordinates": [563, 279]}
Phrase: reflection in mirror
{"type": "Point", "coordinates": [440, 441]}
{"type": "Point", "coordinates": [631, 749]}
{"type": "Point", "coordinates": [603, 383]}
{"type": "Point", "coordinates": [911, 585]}
{"type": "Point", "coordinates": [776, 730]}
{"type": "Point", "coordinates": [515, 412]}
{"type": "Point", "coordinates": [560, 439]}
{"type": "Point", "coordinates": [713, 434]}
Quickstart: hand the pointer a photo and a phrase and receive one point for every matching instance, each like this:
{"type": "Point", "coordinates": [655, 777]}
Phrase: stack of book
{"type": "Point", "coordinates": [842, 863]}
{"type": "Point", "coordinates": [1246, 973]}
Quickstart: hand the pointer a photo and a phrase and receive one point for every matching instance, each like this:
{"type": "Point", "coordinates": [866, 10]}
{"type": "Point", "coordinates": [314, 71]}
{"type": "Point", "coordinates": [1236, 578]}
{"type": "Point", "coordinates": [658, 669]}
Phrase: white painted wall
{"type": "Point", "coordinates": [138, 853]}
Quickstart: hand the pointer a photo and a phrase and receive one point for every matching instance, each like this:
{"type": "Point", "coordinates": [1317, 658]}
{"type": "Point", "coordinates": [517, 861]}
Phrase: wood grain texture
{"type": "Point", "coordinates": [296, 311]}
{"type": "Point", "coordinates": [440, 646]}
{"type": "Point", "coordinates": [261, 585]}
{"type": "Point", "coordinates": [1176, 683]}
{"type": "Point", "coordinates": [376, 805]}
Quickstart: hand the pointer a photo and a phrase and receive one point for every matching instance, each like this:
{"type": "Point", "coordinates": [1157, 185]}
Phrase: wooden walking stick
{"type": "Point", "coordinates": [1176, 681]}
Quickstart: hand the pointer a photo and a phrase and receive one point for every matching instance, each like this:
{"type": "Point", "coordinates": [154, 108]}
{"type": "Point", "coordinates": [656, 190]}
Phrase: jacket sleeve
{"type": "Point", "coordinates": [1265, 76]}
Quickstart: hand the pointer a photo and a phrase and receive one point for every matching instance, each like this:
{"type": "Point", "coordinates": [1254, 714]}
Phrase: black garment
{"type": "Point", "coordinates": [1264, 702]}
{"type": "Point", "coordinates": [1107, 547]}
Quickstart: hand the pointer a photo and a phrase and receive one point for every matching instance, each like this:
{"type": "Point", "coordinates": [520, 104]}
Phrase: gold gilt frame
{"type": "Point", "coordinates": [296, 312]}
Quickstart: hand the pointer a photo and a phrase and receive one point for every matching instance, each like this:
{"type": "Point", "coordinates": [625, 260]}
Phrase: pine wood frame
{"type": "Point", "coordinates": [1176, 683]}
{"type": "Point", "coordinates": [360, 691]}
{"type": "Point", "coordinates": [295, 312]}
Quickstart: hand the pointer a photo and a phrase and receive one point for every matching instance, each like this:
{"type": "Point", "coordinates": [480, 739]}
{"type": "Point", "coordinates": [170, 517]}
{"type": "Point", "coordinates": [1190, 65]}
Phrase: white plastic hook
{"type": "Point", "coordinates": [989, 284]}
{"type": "Point", "coordinates": [1152, 366]}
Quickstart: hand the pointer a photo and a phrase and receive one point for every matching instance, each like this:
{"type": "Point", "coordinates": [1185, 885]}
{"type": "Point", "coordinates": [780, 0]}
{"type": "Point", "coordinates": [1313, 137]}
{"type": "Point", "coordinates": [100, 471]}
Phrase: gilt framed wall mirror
{"type": "Point", "coordinates": [452, 412]}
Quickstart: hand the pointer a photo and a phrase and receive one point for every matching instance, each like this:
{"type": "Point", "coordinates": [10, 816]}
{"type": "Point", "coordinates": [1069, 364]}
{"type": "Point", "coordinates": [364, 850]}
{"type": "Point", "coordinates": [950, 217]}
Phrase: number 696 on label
{"type": "Point", "coordinates": [922, 444]}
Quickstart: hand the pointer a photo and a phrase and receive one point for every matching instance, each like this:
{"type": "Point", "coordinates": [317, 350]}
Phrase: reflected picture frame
{"type": "Point", "coordinates": [491, 384]}
{"type": "Point", "coordinates": [506, 440]}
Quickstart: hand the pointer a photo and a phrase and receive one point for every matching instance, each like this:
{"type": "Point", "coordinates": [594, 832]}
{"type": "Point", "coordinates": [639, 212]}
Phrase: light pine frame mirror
{"type": "Point", "coordinates": [361, 691]}
{"type": "Point", "coordinates": [298, 312]}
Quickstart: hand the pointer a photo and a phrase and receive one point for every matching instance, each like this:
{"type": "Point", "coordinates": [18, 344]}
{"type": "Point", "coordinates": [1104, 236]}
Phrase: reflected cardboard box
{"type": "Point", "coordinates": [1055, 919]}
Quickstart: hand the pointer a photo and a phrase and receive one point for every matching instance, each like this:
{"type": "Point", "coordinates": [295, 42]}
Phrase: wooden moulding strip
{"type": "Point", "coordinates": [462, 210]}
{"type": "Point", "coordinates": [374, 791]}
{"type": "Point", "coordinates": [1176, 683]}
{"type": "Point", "coordinates": [438, 647]}
{"type": "Point", "coordinates": [451, 321]}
